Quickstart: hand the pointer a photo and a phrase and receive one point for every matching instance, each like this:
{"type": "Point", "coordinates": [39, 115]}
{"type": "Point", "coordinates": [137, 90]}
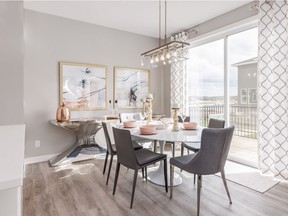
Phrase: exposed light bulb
{"type": "Point", "coordinates": [157, 59]}
{"type": "Point", "coordinates": [169, 61]}
{"type": "Point", "coordinates": [152, 61]}
{"type": "Point", "coordinates": [168, 56]}
{"type": "Point", "coordinates": [162, 57]}
{"type": "Point", "coordinates": [174, 53]}
{"type": "Point", "coordinates": [164, 63]}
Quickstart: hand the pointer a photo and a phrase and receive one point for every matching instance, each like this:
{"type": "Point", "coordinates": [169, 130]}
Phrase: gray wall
{"type": "Point", "coordinates": [244, 12]}
{"type": "Point", "coordinates": [11, 63]}
{"type": "Point", "coordinates": [50, 39]}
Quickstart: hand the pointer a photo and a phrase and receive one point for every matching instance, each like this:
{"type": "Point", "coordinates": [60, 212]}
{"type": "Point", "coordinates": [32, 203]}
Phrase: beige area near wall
{"type": "Point", "coordinates": [49, 39]}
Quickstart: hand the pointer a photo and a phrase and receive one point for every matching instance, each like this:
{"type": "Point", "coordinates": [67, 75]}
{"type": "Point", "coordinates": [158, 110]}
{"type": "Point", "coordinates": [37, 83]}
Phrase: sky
{"type": "Point", "coordinates": [206, 63]}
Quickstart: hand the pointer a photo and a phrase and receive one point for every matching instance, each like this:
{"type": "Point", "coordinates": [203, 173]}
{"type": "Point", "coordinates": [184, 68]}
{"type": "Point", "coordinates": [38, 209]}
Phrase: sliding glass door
{"type": "Point", "coordinates": [242, 50]}
{"type": "Point", "coordinates": [233, 57]}
{"type": "Point", "coordinates": [206, 82]}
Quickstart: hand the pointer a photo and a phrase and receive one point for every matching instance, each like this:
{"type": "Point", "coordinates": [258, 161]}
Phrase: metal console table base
{"type": "Point", "coordinates": [84, 133]}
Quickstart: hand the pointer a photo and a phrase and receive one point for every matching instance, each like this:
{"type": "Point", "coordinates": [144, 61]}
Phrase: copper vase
{"type": "Point", "coordinates": [63, 113]}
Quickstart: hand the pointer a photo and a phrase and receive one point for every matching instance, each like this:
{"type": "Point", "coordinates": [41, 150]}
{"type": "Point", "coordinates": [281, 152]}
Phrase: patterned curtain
{"type": "Point", "coordinates": [273, 88]}
{"type": "Point", "coordinates": [179, 81]}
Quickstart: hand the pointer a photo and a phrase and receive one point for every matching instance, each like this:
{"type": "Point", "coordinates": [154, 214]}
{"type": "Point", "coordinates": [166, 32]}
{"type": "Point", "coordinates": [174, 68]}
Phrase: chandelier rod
{"type": "Point", "coordinates": [165, 21]}
{"type": "Point", "coordinates": [159, 22]}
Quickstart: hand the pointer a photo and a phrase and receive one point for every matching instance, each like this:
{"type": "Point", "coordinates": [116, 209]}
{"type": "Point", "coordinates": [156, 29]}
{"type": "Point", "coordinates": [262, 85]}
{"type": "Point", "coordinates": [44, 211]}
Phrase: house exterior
{"type": "Point", "coordinates": [247, 82]}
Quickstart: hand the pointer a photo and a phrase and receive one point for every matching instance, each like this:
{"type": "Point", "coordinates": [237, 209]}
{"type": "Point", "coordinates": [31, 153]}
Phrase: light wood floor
{"type": "Point", "coordinates": [80, 190]}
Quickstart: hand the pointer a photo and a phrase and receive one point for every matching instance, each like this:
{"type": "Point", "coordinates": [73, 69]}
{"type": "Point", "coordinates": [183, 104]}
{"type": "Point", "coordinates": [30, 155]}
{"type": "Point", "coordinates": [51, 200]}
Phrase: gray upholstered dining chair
{"type": "Point", "coordinates": [187, 119]}
{"type": "Point", "coordinates": [135, 160]}
{"type": "Point", "coordinates": [111, 149]}
{"type": "Point", "coordinates": [213, 123]}
{"type": "Point", "coordinates": [210, 159]}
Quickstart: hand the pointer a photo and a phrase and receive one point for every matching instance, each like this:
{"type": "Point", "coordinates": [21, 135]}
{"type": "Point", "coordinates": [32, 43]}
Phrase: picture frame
{"type": "Point", "coordinates": [83, 86]}
{"type": "Point", "coordinates": [131, 85]}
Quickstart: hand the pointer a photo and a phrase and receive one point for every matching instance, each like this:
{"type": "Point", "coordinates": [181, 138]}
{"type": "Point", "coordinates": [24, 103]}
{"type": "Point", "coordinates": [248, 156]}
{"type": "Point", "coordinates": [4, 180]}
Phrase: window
{"type": "Point", "coordinates": [222, 83]}
{"type": "Point", "coordinates": [253, 96]}
{"type": "Point", "coordinates": [206, 81]}
{"type": "Point", "coordinates": [244, 96]}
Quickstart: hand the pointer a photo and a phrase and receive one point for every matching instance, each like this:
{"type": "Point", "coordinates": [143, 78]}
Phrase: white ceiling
{"type": "Point", "coordinates": [141, 17]}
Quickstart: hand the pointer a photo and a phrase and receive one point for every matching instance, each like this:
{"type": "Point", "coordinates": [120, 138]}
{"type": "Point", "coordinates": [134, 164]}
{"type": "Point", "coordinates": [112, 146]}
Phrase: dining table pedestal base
{"type": "Point", "coordinates": [156, 174]}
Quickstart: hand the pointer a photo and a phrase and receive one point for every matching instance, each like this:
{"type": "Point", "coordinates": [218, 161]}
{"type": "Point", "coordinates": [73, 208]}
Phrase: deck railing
{"type": "Point", "coordinates": [243, 117]}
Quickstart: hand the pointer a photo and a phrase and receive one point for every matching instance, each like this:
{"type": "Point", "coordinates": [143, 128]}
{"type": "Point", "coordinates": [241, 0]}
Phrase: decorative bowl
{"type": "Point", "coordinates": [148, 129]}
{"type": "Point", "coordinates": [190, 125]}
{"type": "Point", "coordinates": [130, 124]}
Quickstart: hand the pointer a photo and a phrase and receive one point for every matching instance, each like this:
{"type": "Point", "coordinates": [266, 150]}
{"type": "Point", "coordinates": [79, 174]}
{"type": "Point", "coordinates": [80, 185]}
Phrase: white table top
{"type": "Point", "coordinates": [170, 136]}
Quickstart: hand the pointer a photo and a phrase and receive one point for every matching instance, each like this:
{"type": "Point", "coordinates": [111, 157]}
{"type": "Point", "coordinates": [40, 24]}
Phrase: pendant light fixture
{"type": "Point", "coordinates": [173, 51]}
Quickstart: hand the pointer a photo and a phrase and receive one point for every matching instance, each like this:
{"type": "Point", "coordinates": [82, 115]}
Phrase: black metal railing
{"type": "Point", "coordinates": [243, 117]}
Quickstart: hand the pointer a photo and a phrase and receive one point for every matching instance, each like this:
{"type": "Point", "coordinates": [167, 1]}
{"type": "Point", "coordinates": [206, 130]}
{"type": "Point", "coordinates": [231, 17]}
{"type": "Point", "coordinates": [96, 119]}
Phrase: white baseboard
{"type": "Point", "coordinates": [39, 159]}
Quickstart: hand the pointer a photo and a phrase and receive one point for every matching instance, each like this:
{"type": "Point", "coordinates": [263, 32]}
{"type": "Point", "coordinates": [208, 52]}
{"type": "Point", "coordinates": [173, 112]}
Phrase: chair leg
{"type": "Point", "coordinates": [226, 186]}
{"type": "Point", "coordinates": [182, 153]}
{"type": "Point", "coordinates": [116, 177]}
{"type": "Point", "coordinates": [165, 175]}
{"type": "Point", "coordinates": [109, 169]}
{"type": "Point", "coordinates": [171, 180]}
{"type": "Point", "coordinates": [143, 175]}
{"type": "Point", "coordinates": [194, 178]}
{"type": "Point", "coordinates": [146, 173]}
{"type": "Point", "coordinates": [199, 183]}
{"type": "Point", "coordinates": [105, 163]}
{"type": "Point", "coordinates": [182, 150]}
{"type": "Point", "coordinates": [133, 188]}
{"type": "Point", "coordinates": [173, 149]}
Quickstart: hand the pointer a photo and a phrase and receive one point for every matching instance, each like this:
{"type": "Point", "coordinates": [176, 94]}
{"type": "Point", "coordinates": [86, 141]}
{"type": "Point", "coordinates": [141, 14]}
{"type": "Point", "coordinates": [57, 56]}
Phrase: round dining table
{"type": "Point", "coordinates": [163, 135]}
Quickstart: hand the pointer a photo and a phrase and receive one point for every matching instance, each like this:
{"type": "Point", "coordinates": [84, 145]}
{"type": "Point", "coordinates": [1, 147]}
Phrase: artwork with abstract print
{"type": "Point", "coordinates": [83, 86]}
{"type": "Point", "coordinates": [131, 85]}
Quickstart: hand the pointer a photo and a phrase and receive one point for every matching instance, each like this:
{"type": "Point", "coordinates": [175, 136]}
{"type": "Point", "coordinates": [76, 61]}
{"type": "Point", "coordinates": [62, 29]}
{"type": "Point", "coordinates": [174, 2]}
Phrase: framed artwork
{"type": "Point", "coordinates": [83, 86]}
{"type": "Point", "coordinates": [131, 85]}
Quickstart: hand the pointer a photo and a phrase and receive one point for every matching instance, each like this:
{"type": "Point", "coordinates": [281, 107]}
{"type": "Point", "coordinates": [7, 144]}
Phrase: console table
{"type": "Point", "coordinates": [84, 132]}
